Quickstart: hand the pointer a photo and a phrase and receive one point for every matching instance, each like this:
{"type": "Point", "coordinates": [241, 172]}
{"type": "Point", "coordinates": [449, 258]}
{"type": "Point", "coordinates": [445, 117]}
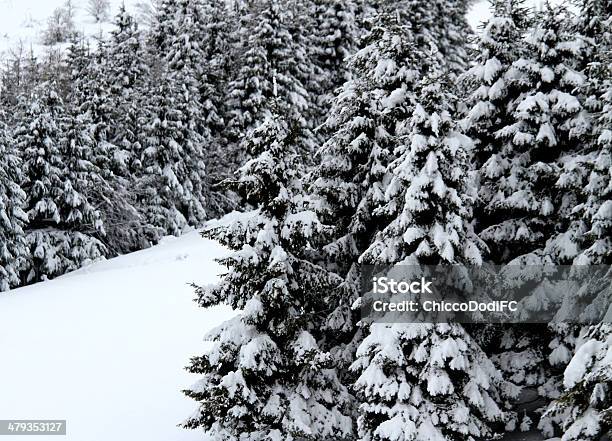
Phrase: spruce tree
{"type": "Point", "coordinates": [349, 184]}
{"type": "Point", "coordinates": [351, 180]}
{"type": "Point", "coordinates": [127, 74]}
{"type": "Point", "coordinates": [13, 252]}
{"type": "Point", "coordinates": [423, 381]}
{"type": "Point", "coordinates": [266, 377]}
{"type": "Point", "coordinates": [490, 103]}
{"type": "Point", "coordinates": [182, 73]}
{"type": "Point", "coordinates": [335, 37]}
{"type": "Point", "coordinates": [585, 407]}
{"type": "Point", "coordinates": [586, 178]}
{"type": "Point", "coordinates": [91, 101]}
{"type": "Point", "coordinates": [271, 64]}
{"type": "Point", "coordinates": [218, 31]}
{"type": "Point", "coordinates": [585, 170]}
{"type": "Point", "coordinates": [168, 196]}
{"type": "Point", "coordinates": [456, 34]}
{"type": "Point", "coordinates": [162, 27]}
{"type": "Point", "coordinates": [549, 121]}
{"type": "Point", "coordinates": [62, 224]}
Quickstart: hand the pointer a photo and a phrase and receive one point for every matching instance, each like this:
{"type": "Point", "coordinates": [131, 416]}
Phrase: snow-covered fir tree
{"type": "Point", "coordinates": [430, 172]}
{"type": "Point", "coordinates": [271, 63]}
{"type": "Point", "coordinates": [548, 121]}
{"type": "Point", "coordinates": [490, 102]}
{"type": "Point", "coordinates": [266, 377]}
{"type": "Point", "coordinates": [162, 27]}
{"type": "Point", "coordinates": [335, 35]}
{"type": "Point", "coordinates": [455, 36]}
{"type": "Point", "coordinates": [62, 225]}
{"type": "Point", "coordinates": [427, 381]}
{"type": "Point", "coordinates": [90, 100]}
{"type": "Point", "coordinates": [586, 170]}
{"type": "Point", "coordinates": [218, 32]}
{"type": "Point", "coordinates": [182, 75]}
{"type": "Point", "coordinates": [77, 150]}
{"type": "Point", "coordinates": [169, 197]}
{"type": "Point", "coordinates": [13, 252]}
{"type": "Point", "coordinates": [440, 22]}
{"type": "Point", "coordinates": [585, 407]}
{"type": "Point", "coordinates": [350, 182]}
{"type": "Point", "coordinates": [519, 117]}
{"type": "Point", "coordinates": [90, 95]}
{"type": "Point", "coordinates": [586, 177]}
{"type": "Point", "coordinates": [127, 74]}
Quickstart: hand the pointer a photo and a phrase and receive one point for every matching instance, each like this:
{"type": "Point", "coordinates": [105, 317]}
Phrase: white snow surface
{"type": "Point", "coordinates": [22, 22]}
{"type": "Point", "coordinates": [105, 347]}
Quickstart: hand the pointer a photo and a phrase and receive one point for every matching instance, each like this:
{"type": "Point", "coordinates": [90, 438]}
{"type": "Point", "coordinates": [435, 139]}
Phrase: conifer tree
{"type": "Point", "coordinates": [585, 407]}
{"type": "Point", "coordinates": [586, 178]}
{"type": "Point", "coordinates": [218, 32]}
{"type": "Point", "coordinates": [266, 377]}
{"type": "Point", "coordinates": [351, 180]}
{"type": "Point", "coordinates": [62, 224]}
{"type": "Point", "coordinates": [336, 35]}
{"type": "Point", "coordinates": [127, 75]}
{"type": "Point", "coordinates": [90, 94]}
{"type": "Point", "coordinates": [169, 197]}
{"type": "Point", "coordinates": [271, 65]}
{"type": "Point", "coordinates": [518, 115]}
{"type": "Point", "coordinates": [490, 103]}
{"type": "Point", "coordinates": [91, 101]}
{"type": "Point", "coordinates": [549, 121]}
{"type": "Point", "coordinates": [528, 117]}
{"type": "Point", "coordinates": [585, 171]}
{"type": "Point", "coordinates": [455, 37]}
{"type": "Point", "coordinates": [423, 381]}
{"type": "Point", "coordinates": [189, 80]}
{"type": "Point", "coordinates": [162, 27]}
{"type": "Point", "coordinates": [430, 172]}
{"type": "Point", "coordinates": [12, 215]}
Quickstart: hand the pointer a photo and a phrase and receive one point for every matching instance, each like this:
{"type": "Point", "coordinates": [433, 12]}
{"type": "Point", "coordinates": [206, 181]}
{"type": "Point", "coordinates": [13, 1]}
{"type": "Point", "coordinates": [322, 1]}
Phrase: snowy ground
{"type": "Point", "coordinates": [104, 347]}
{"type": "Point", "coordinates": [22, 22]}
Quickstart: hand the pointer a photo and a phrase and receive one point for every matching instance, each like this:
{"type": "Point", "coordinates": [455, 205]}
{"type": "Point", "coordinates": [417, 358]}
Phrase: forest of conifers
{"type": "Point", "coordinates": [342, 133]}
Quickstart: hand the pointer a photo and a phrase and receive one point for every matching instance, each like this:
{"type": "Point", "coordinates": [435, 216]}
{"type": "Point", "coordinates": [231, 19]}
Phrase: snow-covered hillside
{"type": "Point", "coordinates": [104, 347]}
{"type": "Point", "coordinates": [23, 21]}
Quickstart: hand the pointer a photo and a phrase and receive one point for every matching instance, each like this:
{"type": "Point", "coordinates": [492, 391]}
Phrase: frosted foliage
{"type": "Point", "coordinates": [351, 180]}
{"type": "Point", "coordinates": [407, 370]}
{"type": "Point", "coordinates": [266, 376]}
{"type": "Point", "coordinates": [531, 118]}
{"type": "Point", "coordinates": [584, 407]}
{"type": "Point", "coordinates": [271, 70]}
{"type": "Point", "coordinates": [429, 184]}
{"type": "Point", "coordinates": [12, 214]}
{"type": "Point", "coordinates": [62, 225]}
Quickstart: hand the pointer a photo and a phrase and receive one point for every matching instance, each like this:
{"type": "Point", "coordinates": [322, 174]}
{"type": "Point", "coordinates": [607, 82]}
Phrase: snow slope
{"type": "Point", "coordinates": [104, 347]}
{"type": "Point", "coordinates": [22, 22]}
